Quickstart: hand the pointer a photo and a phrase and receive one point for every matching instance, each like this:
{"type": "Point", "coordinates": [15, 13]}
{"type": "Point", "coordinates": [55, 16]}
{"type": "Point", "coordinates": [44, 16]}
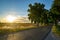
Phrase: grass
{"type": "Point", "coordinates": [4, 27]}
{"type": "Point", "coordinates": [55, 31]}
{"type": "Point", "coordinates": [6, 30]}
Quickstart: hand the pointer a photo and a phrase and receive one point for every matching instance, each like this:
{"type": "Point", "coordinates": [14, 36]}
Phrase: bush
{"type": "Point", "coordinates": [58, 27]}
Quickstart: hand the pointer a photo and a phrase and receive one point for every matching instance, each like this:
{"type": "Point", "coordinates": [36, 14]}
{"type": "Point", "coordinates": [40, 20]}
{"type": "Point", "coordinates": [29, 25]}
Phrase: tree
{"type": "Point", "coordinates": [37, 13]}
{"type": "Point", "coordinates": [55, 10]}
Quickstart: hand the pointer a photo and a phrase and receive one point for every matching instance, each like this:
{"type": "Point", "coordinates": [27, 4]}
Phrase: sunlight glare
{"type": "Point", "coordinates": [10, 18]}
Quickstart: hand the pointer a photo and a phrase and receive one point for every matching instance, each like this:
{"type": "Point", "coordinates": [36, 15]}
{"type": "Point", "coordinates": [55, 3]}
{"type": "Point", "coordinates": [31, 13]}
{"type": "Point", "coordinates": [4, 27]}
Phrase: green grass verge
{"type": "Point", "coordinates": [55, 31]}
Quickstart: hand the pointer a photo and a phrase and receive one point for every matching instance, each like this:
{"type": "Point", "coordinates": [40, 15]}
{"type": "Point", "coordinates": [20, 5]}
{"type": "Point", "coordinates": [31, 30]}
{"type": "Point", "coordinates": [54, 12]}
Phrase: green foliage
{"type": "Point", "coordinates": [55, 13]}
{"type": "Point", "coordinates": [37, 13]}
{"type": "Point", "coordinates": [58, 27]}
{"type": "Point", "coordinates": [55, 9]}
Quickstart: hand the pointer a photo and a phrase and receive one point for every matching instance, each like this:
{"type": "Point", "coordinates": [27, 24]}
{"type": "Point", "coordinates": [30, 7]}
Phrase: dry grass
{"type": "Point", "coordinates": [14, 27]}
{"type": "Point", "coordinates": [8, 28]}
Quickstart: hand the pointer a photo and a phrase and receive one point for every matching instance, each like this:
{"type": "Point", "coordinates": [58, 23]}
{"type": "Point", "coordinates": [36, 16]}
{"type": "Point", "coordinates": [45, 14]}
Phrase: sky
{"type": "Point", "coordinates": [19, 7]}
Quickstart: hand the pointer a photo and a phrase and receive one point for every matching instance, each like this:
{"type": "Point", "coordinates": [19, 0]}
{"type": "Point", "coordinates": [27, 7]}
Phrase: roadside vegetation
{"type": "Point", "coordinates": [38, 14]}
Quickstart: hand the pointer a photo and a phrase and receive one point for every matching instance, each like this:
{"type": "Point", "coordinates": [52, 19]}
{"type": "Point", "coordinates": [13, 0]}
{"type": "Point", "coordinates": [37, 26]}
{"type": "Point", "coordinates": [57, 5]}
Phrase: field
{"type": "Point", "coordinates": [14, 27]}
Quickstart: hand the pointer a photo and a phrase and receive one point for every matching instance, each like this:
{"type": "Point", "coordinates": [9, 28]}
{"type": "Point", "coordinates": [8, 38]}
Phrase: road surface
{"type": "Point", "coordinates": [30, 34]}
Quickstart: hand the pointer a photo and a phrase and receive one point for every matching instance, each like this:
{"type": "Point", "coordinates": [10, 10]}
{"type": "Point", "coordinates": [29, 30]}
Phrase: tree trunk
{"type": "Point", "coordinates": [37, 24]}
{"type": "Point", "coordinates": [56, 22]}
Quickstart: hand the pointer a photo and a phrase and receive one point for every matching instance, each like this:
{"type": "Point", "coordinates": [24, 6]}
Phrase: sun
{"type": "Point", "coordinates": [10, 18]}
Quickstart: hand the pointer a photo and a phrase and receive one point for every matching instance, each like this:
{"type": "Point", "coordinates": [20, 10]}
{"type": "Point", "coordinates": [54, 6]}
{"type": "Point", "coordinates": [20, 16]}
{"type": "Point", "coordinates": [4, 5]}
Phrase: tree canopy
{"type": "Point", "coordinates": [55, 11]}
{"type": "Point", "coordinates": [37, 13]}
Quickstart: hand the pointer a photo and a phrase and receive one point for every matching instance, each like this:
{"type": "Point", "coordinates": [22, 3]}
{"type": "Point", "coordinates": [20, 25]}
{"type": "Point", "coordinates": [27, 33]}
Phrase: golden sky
{"type": "Point", "coordinates": [19, 19]}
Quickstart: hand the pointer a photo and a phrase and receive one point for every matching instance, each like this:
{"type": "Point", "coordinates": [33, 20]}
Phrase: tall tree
{"type": "Point", "coordinates": [37, 13]}
{"type": "Point", "coordinates": [55, 10]}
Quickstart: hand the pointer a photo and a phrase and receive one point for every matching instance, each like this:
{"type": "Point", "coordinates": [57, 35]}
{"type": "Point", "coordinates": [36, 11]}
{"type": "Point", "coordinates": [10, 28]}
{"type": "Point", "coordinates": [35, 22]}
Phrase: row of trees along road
{"type": "Point", "coordinates": [38, 13]}
{"type": "Point", "coordinates": [55, 12]}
